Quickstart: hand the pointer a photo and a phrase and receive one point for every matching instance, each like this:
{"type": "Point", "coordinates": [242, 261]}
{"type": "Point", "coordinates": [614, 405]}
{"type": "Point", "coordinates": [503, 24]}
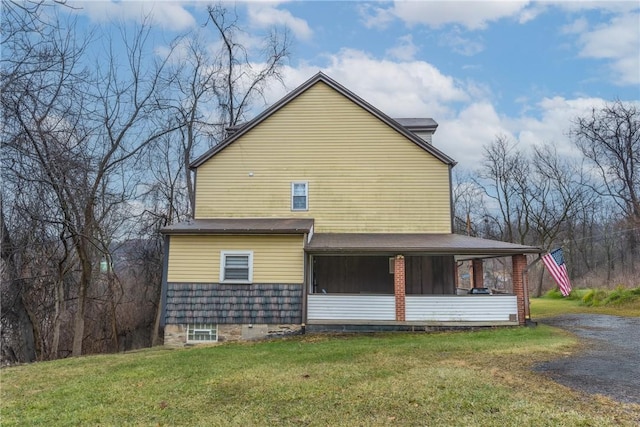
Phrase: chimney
{"type": "Point", "coordinates": [424, 128]}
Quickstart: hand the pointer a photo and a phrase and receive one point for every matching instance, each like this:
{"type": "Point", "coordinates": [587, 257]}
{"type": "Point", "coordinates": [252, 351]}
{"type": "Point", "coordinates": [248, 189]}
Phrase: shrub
{"type": "Point", "coordinates": [622, 295]}
{"type": "Point", "coordinates": [553, 294]}
{"type": "Point", "coordinates": [594, 297]}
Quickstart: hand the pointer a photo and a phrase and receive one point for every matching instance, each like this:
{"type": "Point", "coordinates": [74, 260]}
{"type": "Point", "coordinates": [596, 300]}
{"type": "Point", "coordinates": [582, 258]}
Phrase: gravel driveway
{"type": "Point", "coordinates": [609, 364]}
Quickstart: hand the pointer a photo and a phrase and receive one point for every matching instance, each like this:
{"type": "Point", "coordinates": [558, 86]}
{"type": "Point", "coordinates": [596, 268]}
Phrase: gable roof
{"type": "Point", "coordinates": [321, 77]}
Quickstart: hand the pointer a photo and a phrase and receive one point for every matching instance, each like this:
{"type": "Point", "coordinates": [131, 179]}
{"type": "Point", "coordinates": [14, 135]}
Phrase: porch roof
{"type": "Point", "coordinates": [434, 244]}
{"type": "Point", "coordinates": [242, 226]}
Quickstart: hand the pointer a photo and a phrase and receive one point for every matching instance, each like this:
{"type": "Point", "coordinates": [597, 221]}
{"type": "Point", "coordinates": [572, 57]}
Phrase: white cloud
{"type": "Point", "coordinates": [266, 15]}
{"type": "Point", "coordinates": [578, 26]}
{"type": "Point", "coordinates": [619, 41]}
{"type": "Point", "coordinates": [170, 15]}
{"type": "Point", "coordinates": [553, 122]}
{"type": "Point", "coordinates": [462, 45]}
{"type": "Point", "coordinates": [375, 17]}
{"type": "Point", "coordinates": [405, 50]}
{"type": "Point", "coordinates": [464, 136]}
{"type": "Point", "coordinates": [604, 5]}
{"type": "Point", "coordinates": [467, 117]}
{"type": "Point", "coordinates": [399, 89]}
{"type": "Point", "coordinates": [473, 15]}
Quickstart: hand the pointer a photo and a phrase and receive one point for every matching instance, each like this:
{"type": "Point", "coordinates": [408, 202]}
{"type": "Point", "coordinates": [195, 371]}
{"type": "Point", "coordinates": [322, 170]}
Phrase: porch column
{"type": "Point", "coordinates": [519, 264]}
{"type": "Point", "coordinates": [399, 287]}
{"type": "Point", "coordinates": [478, 273]}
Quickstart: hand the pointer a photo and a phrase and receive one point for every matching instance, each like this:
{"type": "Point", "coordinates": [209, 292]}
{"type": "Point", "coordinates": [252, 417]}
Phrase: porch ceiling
{"type": "Point", "coordinates": [462, 247]}
{"type": "Point", "coordinates": [242, 226]}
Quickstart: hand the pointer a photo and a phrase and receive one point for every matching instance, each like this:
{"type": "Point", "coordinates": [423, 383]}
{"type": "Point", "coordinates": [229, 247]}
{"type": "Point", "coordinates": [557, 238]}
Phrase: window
{"type": "Point", "coordinates": [197, 332]}
{"type": "Point", "coordinates": [299, 196]}
{"type": "Point", "coordinates": [236, 267]}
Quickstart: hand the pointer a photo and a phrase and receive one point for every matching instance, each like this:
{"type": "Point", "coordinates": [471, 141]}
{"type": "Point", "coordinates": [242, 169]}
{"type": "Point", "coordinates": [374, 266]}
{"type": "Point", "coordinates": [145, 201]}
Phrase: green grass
{"type": "Point", "coordinates": [464, 378]}
{"type": "Point", "coordinates": [618, 302]}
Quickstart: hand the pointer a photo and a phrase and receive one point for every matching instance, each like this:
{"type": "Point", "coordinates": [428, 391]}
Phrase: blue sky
{"type": "Point", "coordinates": [521, 69]}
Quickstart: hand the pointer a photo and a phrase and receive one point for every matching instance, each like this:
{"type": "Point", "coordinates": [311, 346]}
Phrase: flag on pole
{"type": "Point", "coordinates": [554, 261]}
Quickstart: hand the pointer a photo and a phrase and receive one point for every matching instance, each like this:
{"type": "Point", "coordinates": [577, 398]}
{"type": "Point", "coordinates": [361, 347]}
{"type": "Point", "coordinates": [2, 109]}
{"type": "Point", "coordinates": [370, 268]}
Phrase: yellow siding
{"type": "Point", "coordinates": [276, 258]}
{"type": "Point", "coordinates": [363, 176]}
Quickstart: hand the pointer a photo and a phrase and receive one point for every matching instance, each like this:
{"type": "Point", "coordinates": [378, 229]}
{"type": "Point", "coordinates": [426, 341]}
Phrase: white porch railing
{"type": "Point", "coordinates": [351, 307]}
{"type": "Point", "coordinates": [418, 308]}
{"type": "Point", "coordinates": [463, 308]}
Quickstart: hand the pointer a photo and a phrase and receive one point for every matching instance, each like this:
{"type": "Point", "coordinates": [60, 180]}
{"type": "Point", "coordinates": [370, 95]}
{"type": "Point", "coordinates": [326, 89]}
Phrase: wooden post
{"type": "Point", "coordinates": [478, 273]}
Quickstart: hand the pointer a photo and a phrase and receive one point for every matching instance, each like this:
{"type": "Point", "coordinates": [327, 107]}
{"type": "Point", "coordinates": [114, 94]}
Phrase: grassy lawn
{"type": "Point", "coordinates": [554, 306]}
{"type": "Point", "coordinates": [445, 379]}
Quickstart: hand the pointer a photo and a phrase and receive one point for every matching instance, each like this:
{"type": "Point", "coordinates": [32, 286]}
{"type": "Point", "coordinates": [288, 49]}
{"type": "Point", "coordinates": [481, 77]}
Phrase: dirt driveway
{"type": "Point", "coordinates": [610, 362]}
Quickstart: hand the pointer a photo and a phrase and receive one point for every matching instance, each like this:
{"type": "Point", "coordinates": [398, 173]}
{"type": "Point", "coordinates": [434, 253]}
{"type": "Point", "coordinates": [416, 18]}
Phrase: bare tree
{"type": "Point", "coordinates": [470, 211]}
{"type": "Point", "coordinates": [39, 66]}
{"type": "Point", "coordinates": [503, 177]}
{"type": "Point", "coordinates": [240, 79]}
{"type": "Point", "coordinates": [18, 341]}
{"type": "Point", "coordinates": [610, 138]}
{"type": "Point", "coordinates": [76, 145]}
{"type": "Point", "coordinates": [79, 134]}
{"type": "Point", "coordinates": [214, 90]}
{"type": "Point", "coordinates": [560, 188]}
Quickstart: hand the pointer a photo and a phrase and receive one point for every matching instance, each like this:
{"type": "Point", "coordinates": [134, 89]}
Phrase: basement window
{"type": "Point", "coordinates": [299, 196]}
{"type": "Point", "coordinates": [198, 332]}
{"type": "Point", "coordinates": [236, 267]}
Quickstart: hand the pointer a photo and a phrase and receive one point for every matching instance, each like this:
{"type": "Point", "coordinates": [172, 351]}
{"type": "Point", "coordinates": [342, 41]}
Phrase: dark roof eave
{"type": "Point", "coordinates": [241, 226]}
{"type": "Point", "coordinates": [234, 231]}
{"type": "Point", "coordinates": [488, 252]}
{"type": "Point", "coordinates": [414, 243]}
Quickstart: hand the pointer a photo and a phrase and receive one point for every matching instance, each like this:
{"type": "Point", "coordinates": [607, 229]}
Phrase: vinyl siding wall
{"type": "Point", "coordinates": [362, 175]}
{"type": "Point", "coordinates": [276, 258]}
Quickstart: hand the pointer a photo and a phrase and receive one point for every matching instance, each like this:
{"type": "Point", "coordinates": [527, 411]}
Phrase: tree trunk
{"type": "Point", "coordinates": [57, 318]}
{"type": "Point", "coordinates": [538, 292]}
{"type": "Point", "coordinates": [156, 339]}
{"type": "Point", "coordinates": [78, 322]}
{"type": "Point", "coordinates": [26, 348]}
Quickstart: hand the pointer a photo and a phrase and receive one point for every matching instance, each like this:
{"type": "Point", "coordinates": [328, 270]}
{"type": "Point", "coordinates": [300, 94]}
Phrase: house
{"type": "Point", "coordinates": [323, 213]}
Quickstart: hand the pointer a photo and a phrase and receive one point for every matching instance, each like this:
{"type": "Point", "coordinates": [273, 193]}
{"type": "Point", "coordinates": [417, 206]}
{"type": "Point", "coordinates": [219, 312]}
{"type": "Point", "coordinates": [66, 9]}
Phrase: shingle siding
{"type": "Point", "coordinates": [233, 304]}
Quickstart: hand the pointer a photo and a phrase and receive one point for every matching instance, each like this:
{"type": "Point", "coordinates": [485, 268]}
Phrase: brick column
{"type": "Point", "coordinates": [399, 287]}
{"type": "Point", "coordinates": [478, 273]}
{"type": "Point", "coordinates": [519, 264]}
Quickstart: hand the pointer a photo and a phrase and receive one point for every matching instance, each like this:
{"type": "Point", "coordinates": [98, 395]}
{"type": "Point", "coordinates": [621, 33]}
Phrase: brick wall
{"type": "Point", "coordinates": [399, 287]}
{"type": "Point", "coordinates": [519, 265]}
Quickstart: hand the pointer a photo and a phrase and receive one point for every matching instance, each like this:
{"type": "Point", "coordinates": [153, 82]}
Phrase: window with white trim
{"type": "Point", "coordinates": [198, 332]}
{"type": "Point", "coordinates": [299, 196]}
{"type": "Point", "coordinates": [236, 267]}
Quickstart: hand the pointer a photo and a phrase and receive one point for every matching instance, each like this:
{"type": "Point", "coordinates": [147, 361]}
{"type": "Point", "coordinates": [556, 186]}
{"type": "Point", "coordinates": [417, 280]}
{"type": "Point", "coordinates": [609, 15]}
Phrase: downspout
{"type": "Point", "coordinates": [305, 282]}
{"type": "Point", "coordinates": [451, 208]}
{"type": "Point", "coordinates": [165, 272]}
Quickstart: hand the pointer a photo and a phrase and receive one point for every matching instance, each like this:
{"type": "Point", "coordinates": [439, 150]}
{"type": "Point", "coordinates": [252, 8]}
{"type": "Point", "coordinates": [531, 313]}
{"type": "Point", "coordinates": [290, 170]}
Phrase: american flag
{"type": "Point", "coordinates": [554, 261]}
